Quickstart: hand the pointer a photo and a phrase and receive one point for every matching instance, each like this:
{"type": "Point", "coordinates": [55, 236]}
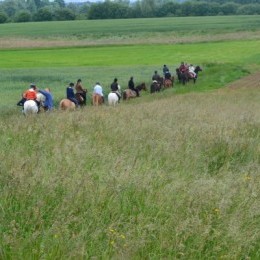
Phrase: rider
{"type": "Point", "coordinates": [131, 86]}
{"type": "Point", "coordinates": [183, 68]}
{"type": "Point", "coordinates": [192, 71]}
{"type": "Point", "coordinates": [114, 88]}
{"type": "Point", "coordinates": [30, 94]}
{"type": "Point", "coordinates": [156, 76]}
{"type": "Point", "coordinates": [82, 92]}
{"type": "Point", "coordinates": [167, 75]}
{"type": "Point", "coordinates": [99, 90]}
{"type": "Point", "coordinates": [165, 69]}
{"type": "Point", "coordinates": [71, 95]}
{"type": "Point", "coordinates": [48, 103]}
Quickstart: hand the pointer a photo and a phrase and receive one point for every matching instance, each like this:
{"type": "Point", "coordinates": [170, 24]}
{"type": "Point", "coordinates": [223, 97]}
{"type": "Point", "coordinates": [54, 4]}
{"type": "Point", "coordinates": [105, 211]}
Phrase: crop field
{"type": "Point", "coordinates": [173, 175]}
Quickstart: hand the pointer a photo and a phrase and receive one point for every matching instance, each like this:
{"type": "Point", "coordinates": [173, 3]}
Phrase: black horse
{"type": "Point", "coordinates": [155, 87]}
{"type": "Point", "coordinates": [184, 77]}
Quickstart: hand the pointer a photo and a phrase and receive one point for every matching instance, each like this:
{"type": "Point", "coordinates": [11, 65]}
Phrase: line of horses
{"type": "Point", "coordinates": [30, 106]}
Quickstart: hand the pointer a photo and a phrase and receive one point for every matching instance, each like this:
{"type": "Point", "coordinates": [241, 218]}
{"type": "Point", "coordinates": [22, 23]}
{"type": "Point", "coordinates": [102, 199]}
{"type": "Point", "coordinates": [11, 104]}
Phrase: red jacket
{"type": "Point", "coordinates": [30, 94]}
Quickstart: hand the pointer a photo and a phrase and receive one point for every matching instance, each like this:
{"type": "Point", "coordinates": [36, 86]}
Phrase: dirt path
{"type": "Point", "coordinates": [251, 81]}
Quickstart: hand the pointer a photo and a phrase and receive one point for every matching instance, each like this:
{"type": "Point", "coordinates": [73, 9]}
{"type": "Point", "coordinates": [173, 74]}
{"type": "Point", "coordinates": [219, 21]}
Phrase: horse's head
{"type": "Point", "coordinates": [197, 69]}
{"type": "Point", "coordinates": [40, 98]}
{"type": "Point", "coordinates": [142, 86]}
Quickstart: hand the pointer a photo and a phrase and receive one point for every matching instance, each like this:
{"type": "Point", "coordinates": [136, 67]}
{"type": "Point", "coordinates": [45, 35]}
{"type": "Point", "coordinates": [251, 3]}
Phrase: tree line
{"type": "Point", "coordinates": [58, 10]}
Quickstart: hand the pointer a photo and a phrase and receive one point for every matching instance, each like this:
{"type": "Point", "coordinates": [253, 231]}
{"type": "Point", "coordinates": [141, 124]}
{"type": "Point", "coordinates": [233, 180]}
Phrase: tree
{"type": "Point", "coordinates": [44, 14]}
{"type": "Point", "coordinates": [3, 17]}
{"type": "Point", "coordinates": [60, 3]}
{"type": "Point", "coordinates": [148, 8]}
{"type": "Point", "coordinates": [64, 14]}
{"type": "Point", "coordinates": [167, 9]}
{"type": "Point", "coordinates": [229, 8]}
{"type": "Point", "coordinates": [10, 7]}
{"type": "Point", "coordinates": [250, 9]}
{"type": "Point", "coordinates": [23, 16]}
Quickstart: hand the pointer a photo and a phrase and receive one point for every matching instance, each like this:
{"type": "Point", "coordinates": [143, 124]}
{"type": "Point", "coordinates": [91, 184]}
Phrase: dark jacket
{"type": "Point", "coordinates": [114, 86]}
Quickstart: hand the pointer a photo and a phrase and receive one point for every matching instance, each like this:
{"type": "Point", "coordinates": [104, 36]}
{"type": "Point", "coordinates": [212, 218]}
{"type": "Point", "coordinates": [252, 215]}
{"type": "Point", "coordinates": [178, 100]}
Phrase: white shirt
{"type": "Point", "coordinates": [98, 90]}
{"type": "Point", "coordinates": [191, 69]}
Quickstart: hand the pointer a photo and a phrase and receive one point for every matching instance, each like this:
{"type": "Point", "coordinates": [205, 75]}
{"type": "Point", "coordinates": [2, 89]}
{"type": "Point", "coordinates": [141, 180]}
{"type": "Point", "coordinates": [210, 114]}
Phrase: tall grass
{"type": "Point", "coordinates": [162, 176]}
{"type": "Point", "coordinates": [172, 178]}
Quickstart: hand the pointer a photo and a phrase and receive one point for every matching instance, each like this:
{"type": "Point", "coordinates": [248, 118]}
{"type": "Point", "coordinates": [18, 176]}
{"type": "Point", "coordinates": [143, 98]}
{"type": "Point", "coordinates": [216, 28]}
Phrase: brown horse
{"type": "Point", "coordinates": [66, 104]}
{"type": "Point", "coordinates": [97, 99]}
{"type": "Point", "coordinates": [168, 83]}
{"type": "Point", "coordinates": [128, 93]}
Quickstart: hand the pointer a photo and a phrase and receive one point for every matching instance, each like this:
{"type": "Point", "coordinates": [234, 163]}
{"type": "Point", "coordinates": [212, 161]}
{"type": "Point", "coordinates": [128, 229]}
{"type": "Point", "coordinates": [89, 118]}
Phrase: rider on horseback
{"type": "Point", "coordinates": [29, 94]}
{"type": "Point", "coordinates": [131, 86]}
{"type": "Point", "coordinates": [48, 103]}
{"type": "Point", "coordinates": [156, 76]}
{"type": "Point", "coordinates": [99, 90]}
{"type": "Point", "coordinates": [165, 70]}
{"type": "Point", "coordinates": [192, 71]}
{"type": "Point", "coordinates": [71, 95]}
{"type": "Point", "coordinates": [80, 92]}
{"type": "Point", "coordinates": [115, 88]}
{"type": "Point", "coordinates": [183, 68]}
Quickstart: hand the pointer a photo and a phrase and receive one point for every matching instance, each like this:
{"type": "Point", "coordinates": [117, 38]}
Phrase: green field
{"type": "Point", "coordinates": [126, 27]}
{"type": "Point", "coordinates": [173, 175]}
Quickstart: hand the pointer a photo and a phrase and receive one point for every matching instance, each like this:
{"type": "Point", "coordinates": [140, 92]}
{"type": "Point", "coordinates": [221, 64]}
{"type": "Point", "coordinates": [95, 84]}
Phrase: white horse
{"type": "Point", "coordinates": [113, 97]}
{"type": "Point", "coordinates": [30, 106]}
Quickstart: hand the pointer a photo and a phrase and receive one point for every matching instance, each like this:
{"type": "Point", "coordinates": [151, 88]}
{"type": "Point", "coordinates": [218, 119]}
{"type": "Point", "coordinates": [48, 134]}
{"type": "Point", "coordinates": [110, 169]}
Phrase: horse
{"type": "Point", "coordinates": [113, 99]}
{"type": "Point", "coordinates": [32, 107]}
{"type": "Point", "coordinates": [190, 76]}
{"type": "Point", "coordinates": [66, 104]}
{"type": "Point", "coordinates": [97, 99]}
{"type": "Point", "coordinates": [155, 87]}
{"type": "Point", "coordinates": [82, 97]}
{"type": "Point", "coordinates": [182, 77]}
{"type": "Point", "coordinates": [168, 83]}
{"type": "Point", "coordinates": [129, 93]}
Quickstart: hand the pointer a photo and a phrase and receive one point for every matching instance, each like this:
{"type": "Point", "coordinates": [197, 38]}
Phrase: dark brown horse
{"type": "Point", "coordinates": [129, 93]}
{"type": "Point", "coordinates": [81, 97]}
{"type": "Point", "coordinates": [155, 87]}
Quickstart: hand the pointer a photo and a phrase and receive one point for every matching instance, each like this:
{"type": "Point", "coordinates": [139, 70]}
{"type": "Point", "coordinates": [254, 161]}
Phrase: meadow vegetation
{"type": "Point", "coordinates": [173, 175]}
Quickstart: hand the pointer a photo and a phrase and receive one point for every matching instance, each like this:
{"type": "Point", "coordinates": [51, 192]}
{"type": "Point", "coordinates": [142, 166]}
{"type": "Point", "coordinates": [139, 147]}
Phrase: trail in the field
{"type": "Point", "coordinates": [251, 81]}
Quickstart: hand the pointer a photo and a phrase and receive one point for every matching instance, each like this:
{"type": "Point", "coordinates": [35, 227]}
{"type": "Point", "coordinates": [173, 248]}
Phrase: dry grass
{"type": "Point", "coordinates": [153, 38]}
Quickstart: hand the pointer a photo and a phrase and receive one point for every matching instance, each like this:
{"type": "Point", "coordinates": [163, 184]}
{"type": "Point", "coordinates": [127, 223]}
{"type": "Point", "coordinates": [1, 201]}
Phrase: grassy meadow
{"type": "Point", "coordinates": [173, 175]}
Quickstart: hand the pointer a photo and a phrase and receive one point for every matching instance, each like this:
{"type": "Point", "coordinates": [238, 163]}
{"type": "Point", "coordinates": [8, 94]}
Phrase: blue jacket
{"type": "Point", "coordinates": [70, 93]}
{"type": "Point", "coordinates": [48, 103]}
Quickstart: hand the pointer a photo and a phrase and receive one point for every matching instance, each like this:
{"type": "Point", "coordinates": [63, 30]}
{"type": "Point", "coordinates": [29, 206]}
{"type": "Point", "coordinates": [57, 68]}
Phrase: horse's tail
{"type": "Point", "coordinates": [95, 99]}
{"type": "Point", "coordinates": [124, 95]}
{"type": "Point", "coordinates": [62, 105]}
